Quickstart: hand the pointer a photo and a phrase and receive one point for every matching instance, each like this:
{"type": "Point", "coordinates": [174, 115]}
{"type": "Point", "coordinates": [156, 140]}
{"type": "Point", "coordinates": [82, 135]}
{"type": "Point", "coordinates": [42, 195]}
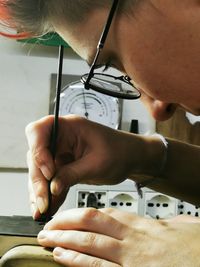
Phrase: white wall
{"type": "Point", "coordinates": [14, 198]}
{"type": "Point", "coordinates": [24, 96]}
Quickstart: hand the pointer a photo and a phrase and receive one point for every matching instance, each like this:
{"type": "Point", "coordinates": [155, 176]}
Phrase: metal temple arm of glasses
{"type": "Point", "coordinates": [107, 25]}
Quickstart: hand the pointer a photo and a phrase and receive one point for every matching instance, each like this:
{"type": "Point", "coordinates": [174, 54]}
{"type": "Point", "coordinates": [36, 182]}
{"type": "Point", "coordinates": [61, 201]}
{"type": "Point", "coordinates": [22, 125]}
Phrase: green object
{"type": "Point", "coordinates": [50, 39]}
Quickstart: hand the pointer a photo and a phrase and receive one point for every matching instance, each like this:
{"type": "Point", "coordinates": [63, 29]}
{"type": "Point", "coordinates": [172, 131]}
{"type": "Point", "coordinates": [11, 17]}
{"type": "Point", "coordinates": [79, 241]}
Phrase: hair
{"type": "Point", "coordinates": [30, 18]}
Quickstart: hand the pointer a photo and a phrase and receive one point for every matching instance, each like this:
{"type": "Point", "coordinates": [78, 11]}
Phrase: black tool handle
{"type": "Point", "coordinates": [54, 134]}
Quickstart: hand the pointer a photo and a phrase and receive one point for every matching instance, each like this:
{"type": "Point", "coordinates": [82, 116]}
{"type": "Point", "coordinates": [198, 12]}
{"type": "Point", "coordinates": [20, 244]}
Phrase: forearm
{"type": "Point", "coordinates": [180, 176]}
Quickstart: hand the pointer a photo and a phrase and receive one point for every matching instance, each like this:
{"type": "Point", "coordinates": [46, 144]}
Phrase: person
{"type": "Point", "coordinates": [156, 43]}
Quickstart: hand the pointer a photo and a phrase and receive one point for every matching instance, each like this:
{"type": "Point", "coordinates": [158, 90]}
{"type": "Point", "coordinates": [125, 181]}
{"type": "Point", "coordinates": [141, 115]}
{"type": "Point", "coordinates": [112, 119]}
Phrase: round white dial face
{"type": "Point", "coordinates": [92, 105]}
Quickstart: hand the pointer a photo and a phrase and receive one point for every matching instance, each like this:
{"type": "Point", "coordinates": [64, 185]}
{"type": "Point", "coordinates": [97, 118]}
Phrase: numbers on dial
{"type": "Point", "coordinates": [90, 104]}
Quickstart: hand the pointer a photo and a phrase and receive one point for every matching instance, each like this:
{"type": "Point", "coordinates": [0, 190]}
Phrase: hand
{"type": "Point", "coordinates": [112, 238]}
{"type": "Point", "coordinates": [87, 152]}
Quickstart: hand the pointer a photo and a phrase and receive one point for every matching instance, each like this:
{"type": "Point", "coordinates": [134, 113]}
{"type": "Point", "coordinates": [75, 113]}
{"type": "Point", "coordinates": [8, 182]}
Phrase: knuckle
{"type": "Point", "coordinates": [89, 215]}
{"type": "Point", "coordinates": [76, 117]}
{"type": "Point", "coordinates": [36, 153]}
{"type": "Point", "coordinates": [76, 259]}
{"type": "Point", "coordinates": [38, 125]}
{"type": "Point", "coordinates": [96, 263]}
{"type": "Point", "coordinates": [108, 211]}
{"type": "Point", "coordinates": [37, 156]}
{"type": "Point", "coordinates": [90, 240]}
{"type": "Point", "coordinates": [37, 186]}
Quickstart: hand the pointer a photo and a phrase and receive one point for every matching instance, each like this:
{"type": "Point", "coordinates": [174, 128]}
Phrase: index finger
{"type": "Point", "coordinates": [88, 219]}
{"type": "Point", "coordinates": [38, 187]}
{"type": "Point", "coordinates": [39, 137]}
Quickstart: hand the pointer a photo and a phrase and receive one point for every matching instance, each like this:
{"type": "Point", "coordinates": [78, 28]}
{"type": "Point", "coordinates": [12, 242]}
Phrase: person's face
{"type": "Point", "coordinates": [158, 47]}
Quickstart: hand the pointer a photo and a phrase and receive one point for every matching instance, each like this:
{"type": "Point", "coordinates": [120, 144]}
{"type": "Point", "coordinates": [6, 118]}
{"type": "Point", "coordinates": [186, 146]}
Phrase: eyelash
{"type": "Point", "coordinates": [107, 66]}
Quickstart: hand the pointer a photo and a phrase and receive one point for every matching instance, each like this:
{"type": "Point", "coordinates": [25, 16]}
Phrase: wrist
{"type": "Point", "coordinates": [151, 157]}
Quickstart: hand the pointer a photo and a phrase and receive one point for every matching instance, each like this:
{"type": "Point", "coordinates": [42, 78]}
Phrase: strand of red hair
{"type": "Point", "coordinates": [6, 20]}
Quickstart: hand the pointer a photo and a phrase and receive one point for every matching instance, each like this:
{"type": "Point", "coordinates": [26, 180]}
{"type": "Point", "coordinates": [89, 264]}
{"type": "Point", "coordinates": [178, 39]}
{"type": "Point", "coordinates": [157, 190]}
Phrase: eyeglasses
{"type": "Point", "coordinates": [120, 86]}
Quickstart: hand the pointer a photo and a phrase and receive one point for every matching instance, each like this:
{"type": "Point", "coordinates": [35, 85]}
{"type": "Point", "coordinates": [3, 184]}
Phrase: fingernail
{"type": "Point", "coordinates": [46, 227]}
{"type": "Point", "coordinates": [58, 252]}
{"type": "Point", "coordinates": [42, 234]}
{"type": "Point", "coordinates": [42, 204]}
{"type": "Point", "coordinates": [46, 172]}
{"type": "Point", "coordinates": [55, 188]}
{"type": "Point", "coordinates": [34, 210]}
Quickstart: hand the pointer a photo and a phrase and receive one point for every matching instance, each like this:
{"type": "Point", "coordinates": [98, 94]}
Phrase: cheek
{"type": "Point", "coordinates": [148, 76]}
{"type": "Point", "coordinates": [166, 78]}
{"type": "Point", "coordinates": [168, 71]}
{"type": "Point", "coordinates": [164, 63]}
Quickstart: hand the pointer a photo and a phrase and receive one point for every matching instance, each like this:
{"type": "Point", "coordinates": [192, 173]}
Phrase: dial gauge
{"type": "Point", "coordinates": [92, 105]}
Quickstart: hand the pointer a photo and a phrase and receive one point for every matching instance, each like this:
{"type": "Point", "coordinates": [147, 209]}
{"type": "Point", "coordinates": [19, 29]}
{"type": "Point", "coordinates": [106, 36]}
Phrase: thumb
{"type": "Point", "coordinates": [73, 173]}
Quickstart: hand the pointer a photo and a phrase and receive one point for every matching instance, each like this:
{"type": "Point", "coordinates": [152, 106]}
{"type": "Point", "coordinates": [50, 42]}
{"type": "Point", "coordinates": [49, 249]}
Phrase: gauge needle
{"type": "Point", "coordinates": [85, 105]}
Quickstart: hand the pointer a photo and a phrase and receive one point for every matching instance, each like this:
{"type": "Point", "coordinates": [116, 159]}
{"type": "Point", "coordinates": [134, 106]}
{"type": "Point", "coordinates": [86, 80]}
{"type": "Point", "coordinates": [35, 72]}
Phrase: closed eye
{"type": "Point", "coordinates": [106, 66]}
{"type": "Point", "coordinates": [98, 66]}
{"type": "Point", "coordinates": [109, 65]}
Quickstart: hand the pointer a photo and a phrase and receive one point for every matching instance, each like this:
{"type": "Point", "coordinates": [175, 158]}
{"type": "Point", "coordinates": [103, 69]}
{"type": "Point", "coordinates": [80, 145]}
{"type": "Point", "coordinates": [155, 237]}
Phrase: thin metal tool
{"type": "Point", "coordinates": [57, 102]}
{"type": "Point", "coordinates": [54, 135]}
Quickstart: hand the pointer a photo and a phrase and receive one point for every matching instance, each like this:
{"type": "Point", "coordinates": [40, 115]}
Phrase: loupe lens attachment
{"type": "Point", "coordinates": [110, 85]}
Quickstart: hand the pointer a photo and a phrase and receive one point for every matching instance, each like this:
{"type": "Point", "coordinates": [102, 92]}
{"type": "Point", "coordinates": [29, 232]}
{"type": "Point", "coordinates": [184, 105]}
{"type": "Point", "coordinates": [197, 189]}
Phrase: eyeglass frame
{"type": "Point", "coordinates": [100, 46]}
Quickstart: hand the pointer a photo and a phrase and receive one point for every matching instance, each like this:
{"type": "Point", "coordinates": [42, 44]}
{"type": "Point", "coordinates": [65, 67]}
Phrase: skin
{"type": "Point", "coordinates": [76, 158]}
{"type": "Point", "coordinates": [161, 55]}
{"type": "Point", "coordinates": [168, 52]}
{"type": "Point", "coordinates": [128, 241]}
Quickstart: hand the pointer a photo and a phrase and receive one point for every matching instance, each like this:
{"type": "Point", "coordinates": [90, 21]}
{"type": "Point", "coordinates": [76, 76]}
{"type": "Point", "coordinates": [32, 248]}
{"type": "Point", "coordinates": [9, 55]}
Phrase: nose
{"type": "Point", "coordinates": [159, 110]}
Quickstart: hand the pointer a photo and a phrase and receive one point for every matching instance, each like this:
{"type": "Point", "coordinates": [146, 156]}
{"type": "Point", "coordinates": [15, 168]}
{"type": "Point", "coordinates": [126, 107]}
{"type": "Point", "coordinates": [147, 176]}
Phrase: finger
{"type": "Point", "coordinates": [123, 216]}
{"type": "Point", "coordinates": [66, 177]}
{"type": "Point", "coordinates": [184, 219]}
{"type": "Point", "coordinates": [97, 245]}
{"type": "Point", "coordinates": [88, 219]}
{"type": "Point", "coordinates": [57, 201]}
{"type": "Point", "coordinates": [40, 188]}
{"type": "Point", "coordinates": [32, 199]}
{"type": "Point", "coordinates": [74, 173]}
{"type": "Point", "coordinates": [76, 259]}
{"type": "Point", "coordinates": [38, 193]}
{"type": "Point", "coordinates": [133, 220]}
{"type": "Point", "coordinates": [38, 136]}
